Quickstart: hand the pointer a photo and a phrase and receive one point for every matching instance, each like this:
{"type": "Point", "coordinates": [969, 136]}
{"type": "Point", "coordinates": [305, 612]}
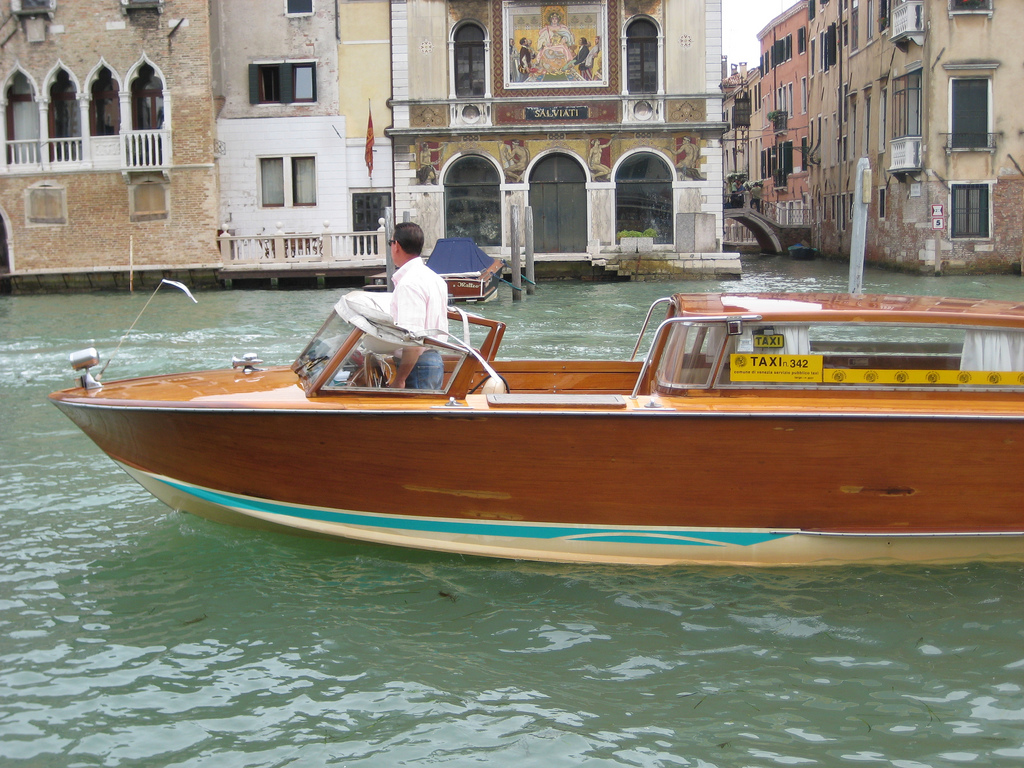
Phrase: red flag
{"type": "Point", "coordinates": [369, 144]}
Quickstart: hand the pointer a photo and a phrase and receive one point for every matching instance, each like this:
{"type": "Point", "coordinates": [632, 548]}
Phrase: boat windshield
{"type": "Point", "coordinates": [358, 348]}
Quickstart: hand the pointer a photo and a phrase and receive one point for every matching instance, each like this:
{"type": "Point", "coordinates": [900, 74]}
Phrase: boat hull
{"type": "Point", "coordinates": [580, 543]}
{"type": "Point", "coordinates": [657, 487]}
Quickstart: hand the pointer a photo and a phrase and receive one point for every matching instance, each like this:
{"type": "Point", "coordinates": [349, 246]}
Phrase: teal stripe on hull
{"type": "Point", "coordinates": [578, 533]}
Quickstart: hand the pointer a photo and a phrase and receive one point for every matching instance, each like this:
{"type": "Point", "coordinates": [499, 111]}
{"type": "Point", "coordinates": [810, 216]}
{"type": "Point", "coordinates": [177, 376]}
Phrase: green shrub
{"type": "Point", "coordinates": [633, 233]}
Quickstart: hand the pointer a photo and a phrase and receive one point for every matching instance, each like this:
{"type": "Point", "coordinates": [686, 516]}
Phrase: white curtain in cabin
{"type": "Point", "coordinates": [993, 351]}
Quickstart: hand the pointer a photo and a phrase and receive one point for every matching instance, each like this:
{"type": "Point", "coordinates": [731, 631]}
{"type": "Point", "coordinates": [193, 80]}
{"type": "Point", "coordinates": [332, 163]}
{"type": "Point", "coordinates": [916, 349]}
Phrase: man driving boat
{"type": "Point", "coordinates": [419, 304]}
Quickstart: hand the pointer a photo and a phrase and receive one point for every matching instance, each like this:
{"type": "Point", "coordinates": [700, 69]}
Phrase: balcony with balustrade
{"type": "Point", "coordinates": [135, 151]}
{"type": "Point", "coordinates": [908, 24]}
{"type": "Point", "coordinates": [906, 154]}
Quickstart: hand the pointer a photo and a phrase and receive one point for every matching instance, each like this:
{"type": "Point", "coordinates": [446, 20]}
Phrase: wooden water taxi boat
{"type": "Point", "coordinates": [759, 430]}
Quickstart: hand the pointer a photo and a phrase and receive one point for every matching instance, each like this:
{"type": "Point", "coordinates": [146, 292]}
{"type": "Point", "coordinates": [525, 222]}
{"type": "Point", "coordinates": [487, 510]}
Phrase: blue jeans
{"type": "Point", "coordinates": [428, 373]}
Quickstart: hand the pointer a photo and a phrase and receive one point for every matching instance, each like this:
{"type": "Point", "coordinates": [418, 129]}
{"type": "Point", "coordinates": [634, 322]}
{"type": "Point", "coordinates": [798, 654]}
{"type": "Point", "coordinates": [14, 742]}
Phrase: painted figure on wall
{"type": "Point", "coordinates": [688, 158]}
{"type": "Point", "coordinates": [558, 44]}
{"type": "Point", "coordinates": [591, 66]}
{"type": "Point", "coordinates": [429, 162]}
{"type": "Point", "coordinates": [514, 158]}
{"type": "Point", "coordinates": [599, 158]}
{"type": "Point", "coordinates": [526, 56]}
{"type": "Point", "coordinates": [555, 43]}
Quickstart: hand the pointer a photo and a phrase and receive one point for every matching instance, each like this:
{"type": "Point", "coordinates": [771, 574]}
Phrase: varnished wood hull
{"type": "Point", "coordinates": [695, 483]}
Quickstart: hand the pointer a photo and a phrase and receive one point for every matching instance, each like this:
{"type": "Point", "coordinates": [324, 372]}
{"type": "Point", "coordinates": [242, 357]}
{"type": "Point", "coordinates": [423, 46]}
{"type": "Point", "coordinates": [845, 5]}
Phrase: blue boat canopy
{"type": "Point", "coordinates": [458, 255]}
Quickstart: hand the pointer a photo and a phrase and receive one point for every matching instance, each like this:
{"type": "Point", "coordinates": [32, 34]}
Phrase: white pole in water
{"type": "Point", "coordinates": [861, 198]}
{"type": "Point", "coordinates": [131, 264]}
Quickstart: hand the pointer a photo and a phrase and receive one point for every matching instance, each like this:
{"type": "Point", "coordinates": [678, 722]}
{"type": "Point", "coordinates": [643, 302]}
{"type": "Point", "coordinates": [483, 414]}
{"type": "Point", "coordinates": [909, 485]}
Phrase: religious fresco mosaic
{"type": "Point", "coordinates": [555, 45]}
{"type": "Point", "coordinates": [599, 152]}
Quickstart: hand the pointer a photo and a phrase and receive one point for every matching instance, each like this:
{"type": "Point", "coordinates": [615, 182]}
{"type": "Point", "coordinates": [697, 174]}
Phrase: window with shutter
{"type": "Point", "coordinates": [970, 114]}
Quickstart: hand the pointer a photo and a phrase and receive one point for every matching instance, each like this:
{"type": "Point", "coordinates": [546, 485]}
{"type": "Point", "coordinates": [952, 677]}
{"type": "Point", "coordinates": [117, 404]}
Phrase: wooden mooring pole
{"type": "Point", "coordinates": [517, 266]}
{"type": "Point", "coordinates": [531, 275]}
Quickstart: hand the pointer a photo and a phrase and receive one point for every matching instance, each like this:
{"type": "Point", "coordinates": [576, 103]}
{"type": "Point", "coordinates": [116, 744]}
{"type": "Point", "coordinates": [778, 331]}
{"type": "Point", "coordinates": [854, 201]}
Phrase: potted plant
{"type": "Point", "coordinates": [632, 241]}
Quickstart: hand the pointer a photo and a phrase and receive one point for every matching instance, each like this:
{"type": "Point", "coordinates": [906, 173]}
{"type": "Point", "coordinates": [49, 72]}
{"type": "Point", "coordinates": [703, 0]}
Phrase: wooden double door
{"type": "Point", "coordinates": [558, 197]}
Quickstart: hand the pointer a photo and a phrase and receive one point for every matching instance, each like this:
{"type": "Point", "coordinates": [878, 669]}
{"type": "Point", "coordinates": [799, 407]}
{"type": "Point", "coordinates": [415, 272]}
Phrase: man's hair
{"type": "Point", "coordinates": [409, 237]}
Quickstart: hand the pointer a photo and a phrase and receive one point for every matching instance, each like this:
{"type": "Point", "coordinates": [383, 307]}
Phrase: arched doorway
{"type": "Point", "coordinates": [643, 196]}
{"type": "Point", "coordinates": [558, 196]}
{"type": "Point", "coordinates": [472, 203]}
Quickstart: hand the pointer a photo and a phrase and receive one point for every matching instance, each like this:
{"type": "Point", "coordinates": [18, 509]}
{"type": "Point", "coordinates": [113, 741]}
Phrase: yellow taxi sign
{"type": "Point", "coordinates": [769, 341]}
{"type": "Point", "coordinates": [765, 367]}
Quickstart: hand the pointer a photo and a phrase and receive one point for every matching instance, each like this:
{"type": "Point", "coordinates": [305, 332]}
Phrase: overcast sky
{"type": "Point", "coordinates": [742, 20]}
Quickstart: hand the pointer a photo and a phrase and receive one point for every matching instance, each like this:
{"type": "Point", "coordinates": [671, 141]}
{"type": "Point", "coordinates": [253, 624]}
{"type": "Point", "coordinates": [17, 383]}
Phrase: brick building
{"type": "Point", "coordinates": [927, 91]}
{"type": "Point", "coordinates": [109, 141]}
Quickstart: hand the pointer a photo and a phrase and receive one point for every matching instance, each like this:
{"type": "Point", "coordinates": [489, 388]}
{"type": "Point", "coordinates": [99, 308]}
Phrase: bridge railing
{"type": "Point", "coordinates": [786, 215]}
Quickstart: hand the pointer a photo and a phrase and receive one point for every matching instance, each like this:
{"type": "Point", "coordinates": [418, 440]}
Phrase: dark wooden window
{"type": "Point", "coordinates": [970, 210]}
{"type": "Point", "coordinates": [906, 106]}
{"type": "Point", "coordinates": [105, 107]}
{"type": "Point", "coordinates": [642, 57]}
{"type": "Point", "coordinates": [470, 67]}
{"type": "Point", "coordinates": [970, 114]}
{"type": "Point", "coordinates": [282, 83]}
{"type": "Point", "coordinates": [147, 100]}
{"type": "Point", "coordinates": [368, 209]}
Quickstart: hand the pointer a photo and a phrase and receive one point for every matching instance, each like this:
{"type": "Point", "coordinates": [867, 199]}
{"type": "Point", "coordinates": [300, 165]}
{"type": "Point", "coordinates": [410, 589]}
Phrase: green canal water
{"type": "Point", "coordinates": [131, 635]}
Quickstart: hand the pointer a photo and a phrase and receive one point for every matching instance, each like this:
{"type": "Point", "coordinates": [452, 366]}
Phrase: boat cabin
{"type": "Point", "coordinates": [812, 341]}
{"type": "Point", "coordinates": [711, 344]}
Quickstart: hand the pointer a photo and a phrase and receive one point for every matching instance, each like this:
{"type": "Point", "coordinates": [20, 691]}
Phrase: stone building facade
{"type": "Point", "coordinates": [600, 116]}
{"type": "Point", "coordinates": [108, 166]}
{"type": "Point", "coordinates": [297, 85]}
{"type": "Point", "coordinates": [927, 90]}
{"type": "Point", "coordinates": [783, 126]}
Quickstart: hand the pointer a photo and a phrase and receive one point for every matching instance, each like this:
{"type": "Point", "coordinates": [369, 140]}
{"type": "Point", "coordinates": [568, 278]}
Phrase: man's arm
{"type": "Point", "coordinates": [408, 361]}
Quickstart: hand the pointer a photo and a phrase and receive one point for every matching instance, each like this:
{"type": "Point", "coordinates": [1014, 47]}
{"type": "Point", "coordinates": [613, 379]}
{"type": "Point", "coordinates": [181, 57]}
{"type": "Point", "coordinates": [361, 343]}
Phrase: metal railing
{"type": "Point", "coordinates": [970, 5]}
{"type": "Point", "coordinates": [978, 142]}
{"type": "Point", "coordinates": [279, 249]}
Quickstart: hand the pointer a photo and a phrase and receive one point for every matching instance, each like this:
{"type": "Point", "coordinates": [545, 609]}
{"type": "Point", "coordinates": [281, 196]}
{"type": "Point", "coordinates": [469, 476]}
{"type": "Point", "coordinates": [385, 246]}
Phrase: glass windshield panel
{"type": "Point", "coordinates": [371, 366]}
{"type": "Point", "coordinates": [322, 348]}
{"type": "Point", "coordinates": [688, 360]}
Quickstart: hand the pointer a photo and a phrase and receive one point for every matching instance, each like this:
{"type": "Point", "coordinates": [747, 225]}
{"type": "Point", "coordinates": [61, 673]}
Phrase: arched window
{"type": "Point", "coordinates": [470, 67]}
{"type": "Point", "coordinates": [643, 196]}
{"type": "Point", "coordinates": [22, 122]}
{"type": "Point", "coordinates": [472, 201]}
{"type": "Point", "coordinates": [65, 119]}
{"type": "Point", "coordinates": [642, 57]}
{"type": "Point", "coordinates": [105, 107]}
{"type": "Point", "coordinates": [147, 100]}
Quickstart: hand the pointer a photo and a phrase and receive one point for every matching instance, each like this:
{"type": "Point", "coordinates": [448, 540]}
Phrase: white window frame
{"type": "Point", "coordinates": [294, 14]}
{"type": "Point", "coordinates": [288, 180]}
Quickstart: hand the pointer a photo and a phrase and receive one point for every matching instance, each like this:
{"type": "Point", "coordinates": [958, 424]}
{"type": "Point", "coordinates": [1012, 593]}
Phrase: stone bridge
{"type": "Point", "coordinates": [766, 225]}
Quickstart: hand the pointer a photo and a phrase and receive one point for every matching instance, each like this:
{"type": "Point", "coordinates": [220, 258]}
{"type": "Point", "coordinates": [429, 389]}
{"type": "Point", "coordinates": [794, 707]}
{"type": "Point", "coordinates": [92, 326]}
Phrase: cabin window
{"type": "Point", "coordinates": [690, 355]}
{"type": "Point", "coordinates": [872, 356]}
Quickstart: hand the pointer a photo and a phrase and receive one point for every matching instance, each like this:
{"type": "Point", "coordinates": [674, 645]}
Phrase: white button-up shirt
{"type": "Point", "coordinates": [420, 300]}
